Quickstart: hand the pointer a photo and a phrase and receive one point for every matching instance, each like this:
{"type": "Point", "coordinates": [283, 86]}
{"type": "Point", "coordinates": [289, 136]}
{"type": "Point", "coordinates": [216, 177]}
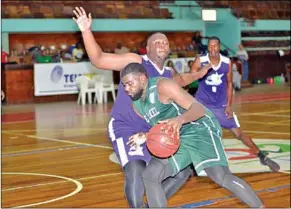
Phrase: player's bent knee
{"type": "Point", "coordinates": [216, 174]}
{"type": "Point", "coordinates": [151, 175]}
{"type": "Point", "coordinates": [134, 169]}
{"type": "Point", "coordinates": [238, 134]}
{"type": "Point", "coordinates": [154, 171]}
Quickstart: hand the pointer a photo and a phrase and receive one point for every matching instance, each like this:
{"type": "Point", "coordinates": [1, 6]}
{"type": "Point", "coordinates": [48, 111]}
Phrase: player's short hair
{"type": "Point", "coordinates": [134, 68]}
{"type": "Point", "coordinates": [214, 38]}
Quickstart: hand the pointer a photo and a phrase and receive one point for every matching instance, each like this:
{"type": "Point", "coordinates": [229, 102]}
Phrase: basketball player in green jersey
{"type": "Point", "coordinates": [162, 100]}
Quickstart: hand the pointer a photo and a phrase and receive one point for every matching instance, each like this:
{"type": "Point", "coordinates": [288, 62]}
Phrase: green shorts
{"type": "Point", "coordinates": [201, 145]}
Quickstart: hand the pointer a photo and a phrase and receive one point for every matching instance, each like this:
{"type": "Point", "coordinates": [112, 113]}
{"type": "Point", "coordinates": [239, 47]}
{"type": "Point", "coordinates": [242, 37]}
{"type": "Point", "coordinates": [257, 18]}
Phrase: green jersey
{"type": "Point", "coordinates": [154, 111]}
{"type": "Point", "coordinates": [200, 140]}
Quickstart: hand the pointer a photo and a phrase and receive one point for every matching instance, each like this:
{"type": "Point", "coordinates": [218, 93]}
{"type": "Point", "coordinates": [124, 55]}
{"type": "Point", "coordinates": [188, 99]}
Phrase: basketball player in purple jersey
{"type": "Point", "coordinates": [124, 122]}
{"type": "Point", "coordinates": [215, 91]}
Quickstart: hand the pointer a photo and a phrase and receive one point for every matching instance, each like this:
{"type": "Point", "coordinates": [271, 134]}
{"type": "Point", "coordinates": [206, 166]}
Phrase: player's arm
{"type": "Point", "coordinates": [228, 109]}
{"type": "Point", "coordinates": [196, 67]}
{"type": "Point", "coordinates": [185, 79]}
{"type": "Point", "coordinates": [170, 91]}
{"type": "Point", "coordinates": [106, 61]}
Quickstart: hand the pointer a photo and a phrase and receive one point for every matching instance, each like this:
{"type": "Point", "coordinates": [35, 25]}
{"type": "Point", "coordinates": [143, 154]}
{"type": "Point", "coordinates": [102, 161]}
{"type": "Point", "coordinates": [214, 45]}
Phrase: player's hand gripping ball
{"type": "Point", "coordinates": [162, 143]}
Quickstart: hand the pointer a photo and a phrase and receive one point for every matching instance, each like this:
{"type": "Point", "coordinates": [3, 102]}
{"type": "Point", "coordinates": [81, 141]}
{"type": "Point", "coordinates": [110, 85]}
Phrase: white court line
{"type": "Point", "coordinates": [63, 141]}
{"type": "Point", "coordinates": [78, 189]}
{"type": "Point", "coordinates": [37, 150]}
{"type": "Point", "coordinates": [287, 172]}
{"type": "Point", "coordinates": [267, 132]}
{"type": "Point", "coordinates": [260, 101]}
{"type": "Point", "coordinates": [267, 115]}
{"type": "Point", "coordinates": [53, 130]}
{"type": "Point", "coordinates": [59, 182]}
{"type": "Point", "coordinates": [268, 123]}
{"type": "Point", "coordinates": [70, 142]}
{"type": "Point", "coordinates": [275, 111]}
{"type": "Point", "coordinates": [272, 115]}
{"type": "Point", "coordinates": [21, 121]}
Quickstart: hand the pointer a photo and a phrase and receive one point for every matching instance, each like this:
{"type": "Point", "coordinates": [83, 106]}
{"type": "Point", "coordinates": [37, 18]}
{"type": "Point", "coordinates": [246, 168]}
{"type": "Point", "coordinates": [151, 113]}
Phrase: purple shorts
{"type": "Point", "coordinates": [119, 133]}
{"type": "Point", "coordinates": [222, 118]}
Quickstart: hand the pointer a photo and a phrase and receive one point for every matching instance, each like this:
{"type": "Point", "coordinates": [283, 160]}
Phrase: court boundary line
{"type": "Point", "coordinates": [77, 190]}
{"type": "Point", "coordinates": [60, 182]}
{"type": "Point", "coordinates": [58, 140]}
{"type": "Point", "coordinates": [105, 147]}
{"type": "Point", "coordinates": [268, 123]}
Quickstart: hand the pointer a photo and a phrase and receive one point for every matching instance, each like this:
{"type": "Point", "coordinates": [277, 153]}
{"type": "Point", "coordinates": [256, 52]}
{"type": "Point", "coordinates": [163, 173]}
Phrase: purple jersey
{"type": "Point", "coordinates": [212, 88]}
{"type": "Point", "coordinates": [122, 109]}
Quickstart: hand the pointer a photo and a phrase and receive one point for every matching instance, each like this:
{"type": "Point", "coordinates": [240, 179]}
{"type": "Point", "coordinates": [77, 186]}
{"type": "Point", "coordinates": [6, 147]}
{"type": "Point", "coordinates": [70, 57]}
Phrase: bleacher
{"type": "Point", "coordinates": [98, 9]}
{"type": "Point", "coordinates": [253, 10]}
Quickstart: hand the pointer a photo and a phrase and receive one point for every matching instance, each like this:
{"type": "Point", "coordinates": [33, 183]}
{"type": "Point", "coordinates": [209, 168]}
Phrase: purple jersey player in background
{"type": "Point", "coordinates": [215, 92]}
{"type": "Point", "coordinates": [124, 121]}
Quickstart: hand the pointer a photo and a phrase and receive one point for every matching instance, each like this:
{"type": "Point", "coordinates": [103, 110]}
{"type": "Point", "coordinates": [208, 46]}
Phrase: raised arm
{"type": "Point", "coordinates": [100, 59]}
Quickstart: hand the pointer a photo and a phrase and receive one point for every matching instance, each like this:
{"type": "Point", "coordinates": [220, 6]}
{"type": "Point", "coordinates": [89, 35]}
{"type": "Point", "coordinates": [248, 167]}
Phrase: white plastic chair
{"type": "Point", "coordinates": [104, 84]}
{"type": "Point", "coordinates": [86, 86]}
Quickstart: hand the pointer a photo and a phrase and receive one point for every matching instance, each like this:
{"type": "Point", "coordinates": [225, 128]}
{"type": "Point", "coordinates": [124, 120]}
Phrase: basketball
{"type": "Point", "coordinates": [160, 143]}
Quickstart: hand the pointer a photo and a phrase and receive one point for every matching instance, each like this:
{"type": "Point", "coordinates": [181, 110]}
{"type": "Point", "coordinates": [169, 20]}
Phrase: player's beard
{"type": "Point", "coordinates": [137, 96]}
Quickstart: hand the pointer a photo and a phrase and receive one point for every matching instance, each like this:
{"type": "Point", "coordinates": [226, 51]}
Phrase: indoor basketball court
{"type": "Point", "coordinates": [59, 155]}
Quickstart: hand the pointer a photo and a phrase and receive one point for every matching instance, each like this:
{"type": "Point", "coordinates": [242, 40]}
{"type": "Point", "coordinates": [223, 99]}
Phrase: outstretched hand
{"type": "Point", "coordinates": [83, 21]}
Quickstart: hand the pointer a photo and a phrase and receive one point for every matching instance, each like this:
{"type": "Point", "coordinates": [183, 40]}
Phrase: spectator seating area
{"type": "Point", "coordinates": [98, 9]}
{"type": "Point", "coordinates": [253, 10]}
{"type": "Point", "coordinates": [282, 42]}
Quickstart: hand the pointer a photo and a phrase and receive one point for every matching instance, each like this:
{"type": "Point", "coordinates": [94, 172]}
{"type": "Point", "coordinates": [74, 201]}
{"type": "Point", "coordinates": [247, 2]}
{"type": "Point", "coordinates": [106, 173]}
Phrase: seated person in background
{"type": "Point", "coordinates": [120, 49]}
{"type": "Point", "coordinates": [2, 95]}
{"type": "Point", "coordinates": [236, 76]}
{"type": "Point", "coordinates": [43, 57]}
{"type": "Point", "coordinates": [170, 64]}
{"type": "Point", "coordinates": [142, 48]}
{"type": "Point", "coordinates": [65, 56]}
{"type": "Point", "coordinates": [243, 56]}
{"type": "Point", "coordinates": [78, 52]}
{"type": "Point", "coordinates": [190, 63]}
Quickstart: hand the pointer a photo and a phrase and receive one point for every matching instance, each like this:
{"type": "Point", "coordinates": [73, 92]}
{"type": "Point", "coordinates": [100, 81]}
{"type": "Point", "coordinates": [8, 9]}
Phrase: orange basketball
{"type": "Point", "coordinates": [160, 143]}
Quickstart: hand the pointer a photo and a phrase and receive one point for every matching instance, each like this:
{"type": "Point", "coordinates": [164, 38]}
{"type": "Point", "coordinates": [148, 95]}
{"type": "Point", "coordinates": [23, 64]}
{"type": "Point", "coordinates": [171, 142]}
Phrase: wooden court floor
{"type": "Point", "coordinates": [57, 155]}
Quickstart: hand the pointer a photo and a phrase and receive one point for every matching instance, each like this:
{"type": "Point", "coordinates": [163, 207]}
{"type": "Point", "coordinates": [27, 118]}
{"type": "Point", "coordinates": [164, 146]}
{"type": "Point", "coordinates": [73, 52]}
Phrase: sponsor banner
{"type": "Point", "coordinates": [180, 64]}
{"type": "Point", "coordinates": [59, 78]}
{"type": "Point", "coordinates": [241, 160]}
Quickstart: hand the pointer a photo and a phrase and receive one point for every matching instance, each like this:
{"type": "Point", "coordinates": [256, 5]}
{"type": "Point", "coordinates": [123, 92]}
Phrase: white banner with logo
{"type": "Point", "coordinates": [181, 65]}
{"type": "Point", "coordinates": [59, 78]}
